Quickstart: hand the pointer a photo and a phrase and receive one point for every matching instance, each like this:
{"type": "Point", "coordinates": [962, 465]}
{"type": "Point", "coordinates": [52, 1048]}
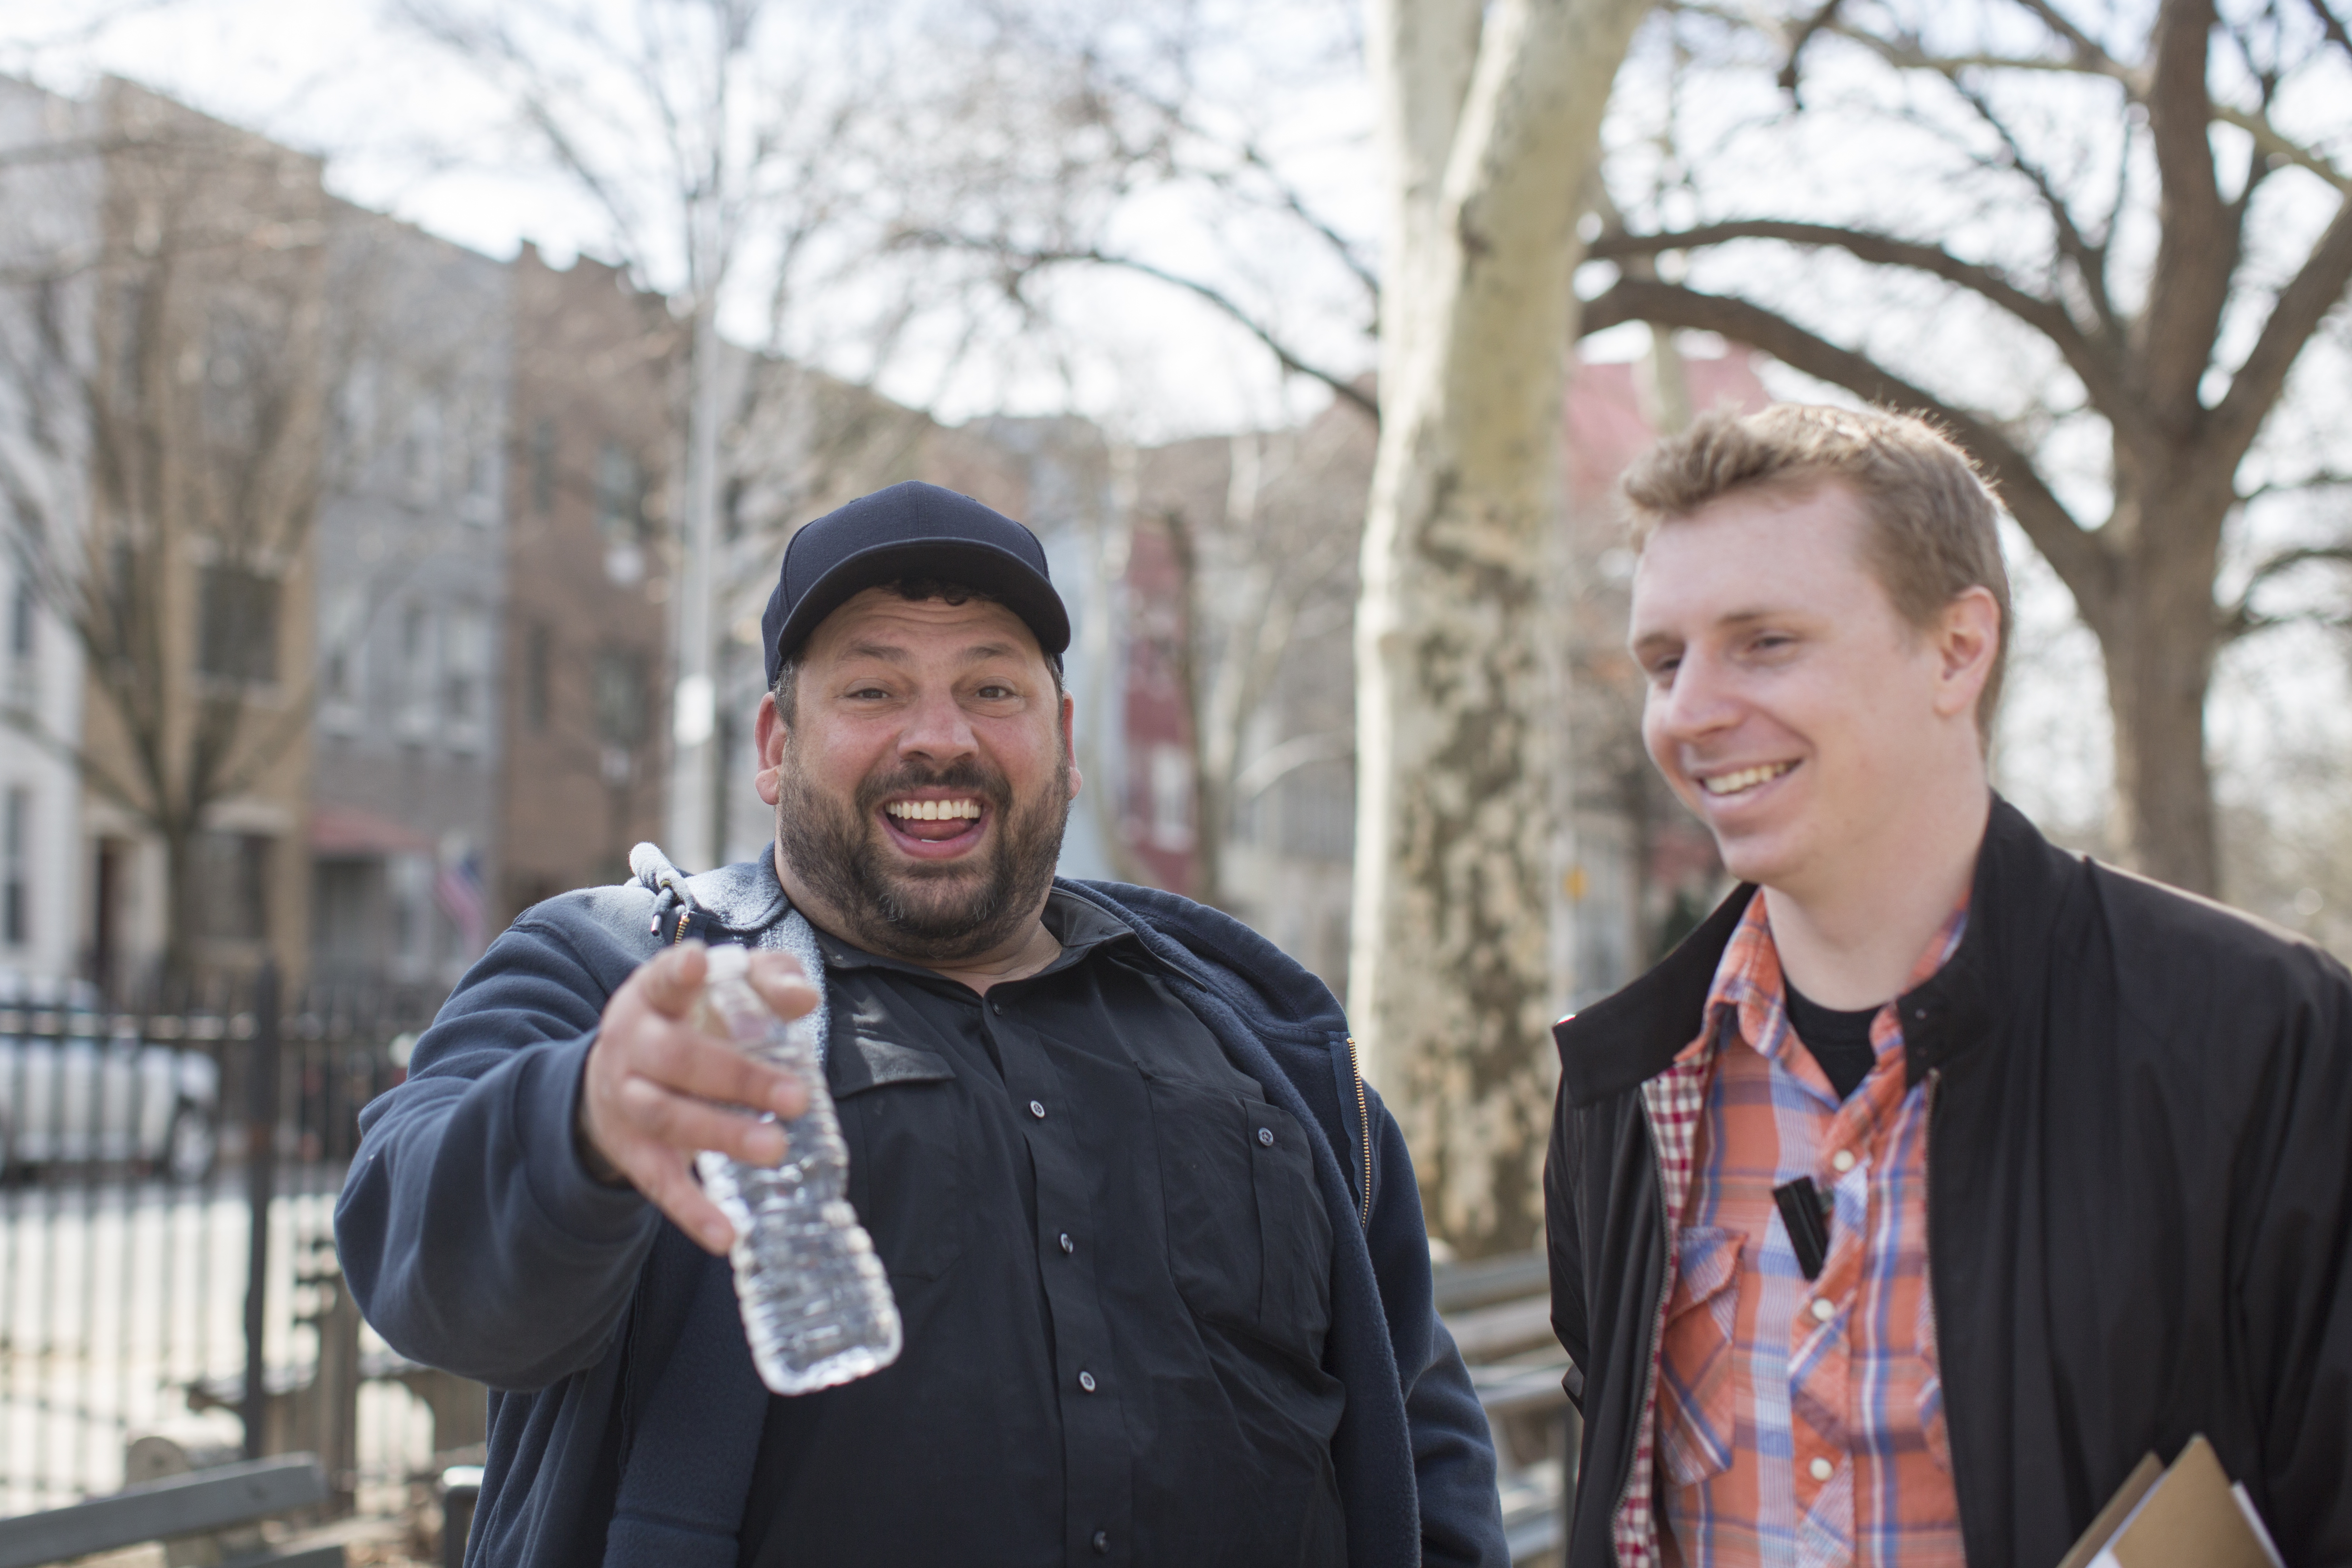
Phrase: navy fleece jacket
{"type": "Point", "coordinates": [624, 1406]}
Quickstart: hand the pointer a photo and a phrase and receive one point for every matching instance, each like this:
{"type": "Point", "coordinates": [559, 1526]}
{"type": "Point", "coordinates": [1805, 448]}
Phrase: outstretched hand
{"type": "Point", "coordinates": [656, 1090]}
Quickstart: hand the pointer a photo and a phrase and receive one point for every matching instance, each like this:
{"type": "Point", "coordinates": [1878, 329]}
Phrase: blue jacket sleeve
{"type": "Point", "coordinates": [472, 1237]}
{"type": "Point", "coordinates": [1453, 1448]}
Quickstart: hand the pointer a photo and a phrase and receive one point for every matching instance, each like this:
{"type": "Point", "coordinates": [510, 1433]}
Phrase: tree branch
{"type": "Point", "coordinates": [2199, 244]}
{"type": "Point", "coordinates": [2332, 26]}
{"type": "Point", "coordinates": [2242, 618]}
{"type": "Point", "coordinates": [2269, 140]}
{"type": "Point", "coordinates": [2302, 305]}
{"type": "Point", "coordinates": [1026, 261]}
{"type": "Point", "coordinates": [1820, 18]}
{"type": "Point", "coordinates": [2087, 52]}
{"type": "Point", "coordinates": [2104, 382]}
{"type": "Point", "coordinates": [2089, 259]}
{"type": "Point", "coordinates": [2077, 555]}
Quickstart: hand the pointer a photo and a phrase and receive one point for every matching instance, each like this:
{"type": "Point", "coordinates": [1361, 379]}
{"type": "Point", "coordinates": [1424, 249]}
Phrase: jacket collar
{"type": "Point", "coordinates": [1634, 1035]}
{"type": "Point", "coordinates": [1278, 993]}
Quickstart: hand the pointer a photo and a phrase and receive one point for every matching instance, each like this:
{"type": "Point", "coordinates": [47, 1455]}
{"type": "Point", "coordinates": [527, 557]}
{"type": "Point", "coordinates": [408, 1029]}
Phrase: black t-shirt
{"type": "Point", "coordinates": [1840, 1041]}
{"type": "Point", "coordinates": [1114, 1270]}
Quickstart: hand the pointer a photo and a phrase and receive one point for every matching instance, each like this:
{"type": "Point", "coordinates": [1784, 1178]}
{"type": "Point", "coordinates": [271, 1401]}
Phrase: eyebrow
{"type": "Point", "coordinates": [1658, 640]}
{"type": "Point", "coordinates": [891, 654]}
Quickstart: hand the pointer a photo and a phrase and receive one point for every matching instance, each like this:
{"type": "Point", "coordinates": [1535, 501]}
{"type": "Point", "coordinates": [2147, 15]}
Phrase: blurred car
{"type": "Point", "coordinates": [76, 1088]}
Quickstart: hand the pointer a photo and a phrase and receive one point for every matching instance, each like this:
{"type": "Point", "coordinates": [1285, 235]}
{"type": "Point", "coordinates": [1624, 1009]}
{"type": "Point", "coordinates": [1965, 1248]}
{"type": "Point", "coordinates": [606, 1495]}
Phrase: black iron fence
{"type": "Point", "coordinates": [168, 1283]}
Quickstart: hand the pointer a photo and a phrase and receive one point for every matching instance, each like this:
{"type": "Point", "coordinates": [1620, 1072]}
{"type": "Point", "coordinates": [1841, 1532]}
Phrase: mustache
{"type": "Point", "coordinates": [908, 777]}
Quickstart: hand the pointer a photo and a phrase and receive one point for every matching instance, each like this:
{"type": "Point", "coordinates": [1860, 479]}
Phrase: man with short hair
{"type": "Point", "coordinates": [1939, 1175]}
{"type": "Point", "coordinates": [1157, 1250]}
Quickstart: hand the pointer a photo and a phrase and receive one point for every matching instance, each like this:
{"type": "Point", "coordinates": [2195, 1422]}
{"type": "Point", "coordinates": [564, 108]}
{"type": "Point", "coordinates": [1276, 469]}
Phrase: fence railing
{"type": "Point", "coordinates": [168, 1176]}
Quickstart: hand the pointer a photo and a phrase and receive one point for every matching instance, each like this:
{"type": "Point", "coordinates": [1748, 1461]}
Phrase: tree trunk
{"type": "Point", "coordinates": [2157, 632]}
{"type": "Point", "coordinates": [1490, 130]}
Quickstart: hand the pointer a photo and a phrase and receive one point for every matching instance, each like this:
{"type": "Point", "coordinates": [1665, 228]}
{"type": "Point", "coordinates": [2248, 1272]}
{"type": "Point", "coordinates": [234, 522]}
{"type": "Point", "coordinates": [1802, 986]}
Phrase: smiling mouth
{"type": "Point", "coordinates": [935, 821]}
{"type": "Point", "coordinates": [1722, 785]}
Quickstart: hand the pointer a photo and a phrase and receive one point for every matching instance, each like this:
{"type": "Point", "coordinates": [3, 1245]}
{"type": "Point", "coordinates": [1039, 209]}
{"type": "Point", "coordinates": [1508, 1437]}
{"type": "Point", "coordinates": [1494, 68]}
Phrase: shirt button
{"type": "Point", "coordinates": [1823, 1310]}
{"type": "Point", "coordinates": [1086, 1380]}
{"type": "Point", "coordinates": [1068, 1244]}
{"type": "Point", "coordinates": [1102, 1542]}
{"type": "Point", "coordinates": [1841, 1161]}
{"type": "Point", "coordinates": [1822, 1469]}
{"type": "Point", "coordinates": [1266, 1136]}
{"type": "Point", "coordinates": [1038, 1109]}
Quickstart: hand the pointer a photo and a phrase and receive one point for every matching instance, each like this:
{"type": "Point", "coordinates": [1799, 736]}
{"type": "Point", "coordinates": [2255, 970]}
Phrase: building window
{"type": "Point", "coordinates": [538, 676]}
{"type": "Point", "coordinates": [341, 630]}
{"type": "Point", "coordinates": [465, 677]}
{"type": "Point", "coordinates": [15, 842]}
{"type": "Point", "coordinates": [543, 466]}
{"type": "Point", "coordinates": [416, 697]}
{"type": "Point", "coordinates": [620, 696]}
{"type": "Point", "coordinates": [620, 515]}
{"type": "Point", "coordinates": [237, 632]}
{"type": "Point", "coordinates": [620, 495]}
{"type": "Point", "coordinates": [233, 887]}
{"type": "Point", "coordinates": [1171, 797]}
{"type": "Point", "coordinates": [426, 459]}
{"type": "Point", "coordinates": [410, 882]}
{"type": "Point", "coordinates": [21, 610]}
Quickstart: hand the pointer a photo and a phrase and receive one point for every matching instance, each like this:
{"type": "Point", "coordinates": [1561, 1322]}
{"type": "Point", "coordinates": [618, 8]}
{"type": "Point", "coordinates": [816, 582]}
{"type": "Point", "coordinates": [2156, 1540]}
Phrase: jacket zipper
{"type": "Point", "coordinates": [1363, 1127]}
{"type": "Point", "coordinates": [1657, 1323]}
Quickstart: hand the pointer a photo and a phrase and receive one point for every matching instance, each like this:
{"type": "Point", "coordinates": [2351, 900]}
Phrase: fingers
{"type": "Point", "coordinates": [656, 1090]}
{"type": "Point", "coordinates": [669, 1185]}
{"type": "Point", "coordinates": [782, 985]}
{"type": "Point", "coordinates": [669, 982]}
{"type": "Point", "coordinates": [685, 1060]}
{"type": "Point", "coordinates": [651, 1114]}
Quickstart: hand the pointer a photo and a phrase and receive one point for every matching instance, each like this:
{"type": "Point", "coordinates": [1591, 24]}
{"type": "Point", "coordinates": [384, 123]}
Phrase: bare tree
{"type": "Point", "coordinates": [1070, 124]}
{"type": "Point", "coordinates": [176, 362]}
{"type": "Point", "coordinates": [2128, 197]}
{"type": "Point", "coordinates": [1263, 530]}
{"type": "Point", "coordinates": [718, 139]}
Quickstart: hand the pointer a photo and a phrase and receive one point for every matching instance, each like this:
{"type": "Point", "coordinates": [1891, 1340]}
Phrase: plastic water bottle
{"type": "Point", "coordinates": [816, 1302]}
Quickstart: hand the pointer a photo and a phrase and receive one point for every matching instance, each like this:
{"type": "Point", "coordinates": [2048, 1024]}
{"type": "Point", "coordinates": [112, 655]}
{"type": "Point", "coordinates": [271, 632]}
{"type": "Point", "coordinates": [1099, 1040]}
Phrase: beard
{"type": "Point", "coordinates": [928, 913]}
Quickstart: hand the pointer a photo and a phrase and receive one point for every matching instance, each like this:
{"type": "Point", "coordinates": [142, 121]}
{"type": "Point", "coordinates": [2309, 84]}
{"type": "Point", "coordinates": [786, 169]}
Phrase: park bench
{"type": "Point", "coordinates": [1498, 1310]}
{"type": "Point", "coordinates": [201, 1503]}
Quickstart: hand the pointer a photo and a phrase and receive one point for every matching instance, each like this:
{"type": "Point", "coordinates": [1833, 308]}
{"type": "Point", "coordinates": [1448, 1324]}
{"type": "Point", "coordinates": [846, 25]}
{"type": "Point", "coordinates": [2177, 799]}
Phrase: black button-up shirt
{"type": "Point", "coordinates": [1114, 1270]}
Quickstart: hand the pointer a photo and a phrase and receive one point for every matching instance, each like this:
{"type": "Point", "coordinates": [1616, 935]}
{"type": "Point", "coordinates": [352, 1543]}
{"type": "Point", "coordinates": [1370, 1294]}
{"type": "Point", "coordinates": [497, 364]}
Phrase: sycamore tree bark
{"type": "Point", "coordinates": [1490, 120]}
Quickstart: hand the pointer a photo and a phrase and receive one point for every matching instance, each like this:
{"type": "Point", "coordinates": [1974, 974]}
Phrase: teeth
{"type": "Point", "coordinates": [1746, 779]}
{"type": "Point", "coordinates": [934, 810]}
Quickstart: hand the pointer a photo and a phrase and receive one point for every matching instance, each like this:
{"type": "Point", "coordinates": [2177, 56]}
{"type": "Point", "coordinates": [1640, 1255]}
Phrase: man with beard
{"type": "Point", "coordinates": [1156, 1247]}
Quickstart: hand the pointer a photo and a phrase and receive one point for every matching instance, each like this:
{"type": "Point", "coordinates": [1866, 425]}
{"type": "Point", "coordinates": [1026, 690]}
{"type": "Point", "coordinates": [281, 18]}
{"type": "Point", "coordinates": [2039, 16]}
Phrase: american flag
{"type": "Point", "coordinates": [457, 889]}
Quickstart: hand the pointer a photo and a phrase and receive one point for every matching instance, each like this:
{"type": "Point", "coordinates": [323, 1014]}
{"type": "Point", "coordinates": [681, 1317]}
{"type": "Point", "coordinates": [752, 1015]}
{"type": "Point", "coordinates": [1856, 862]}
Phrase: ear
{"type": "Point", "coordinates": [1967, 640]}
{"type": "Point", "coordinates": [769, 735]}
{"type": "Point", "coordinates": [1070, 739]}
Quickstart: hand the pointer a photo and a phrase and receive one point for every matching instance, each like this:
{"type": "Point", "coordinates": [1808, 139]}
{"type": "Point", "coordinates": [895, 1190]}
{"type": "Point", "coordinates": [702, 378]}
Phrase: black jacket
{"type": "Point", "coordinates": [2139, 1210]}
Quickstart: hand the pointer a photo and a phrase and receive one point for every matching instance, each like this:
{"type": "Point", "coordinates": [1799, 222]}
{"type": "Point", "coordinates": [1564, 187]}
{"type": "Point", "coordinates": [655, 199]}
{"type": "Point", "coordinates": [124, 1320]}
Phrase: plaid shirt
{"type": "Point", "coordinates": [1791, 1421]}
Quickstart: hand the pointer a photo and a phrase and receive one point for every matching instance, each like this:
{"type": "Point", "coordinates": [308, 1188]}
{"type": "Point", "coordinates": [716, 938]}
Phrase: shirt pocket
{"type": "Point", "coordinates": [1697, 1410]}
{"type": "Point", "coordinates": [903, 1118]}
{"type": "Point", "coordinates": [1249, 1244]}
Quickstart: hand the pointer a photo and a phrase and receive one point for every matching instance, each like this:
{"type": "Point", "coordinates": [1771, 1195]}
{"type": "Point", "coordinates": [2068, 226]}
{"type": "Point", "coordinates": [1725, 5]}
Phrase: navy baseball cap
{"type": "Point", "coordinates": [913, 529]}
